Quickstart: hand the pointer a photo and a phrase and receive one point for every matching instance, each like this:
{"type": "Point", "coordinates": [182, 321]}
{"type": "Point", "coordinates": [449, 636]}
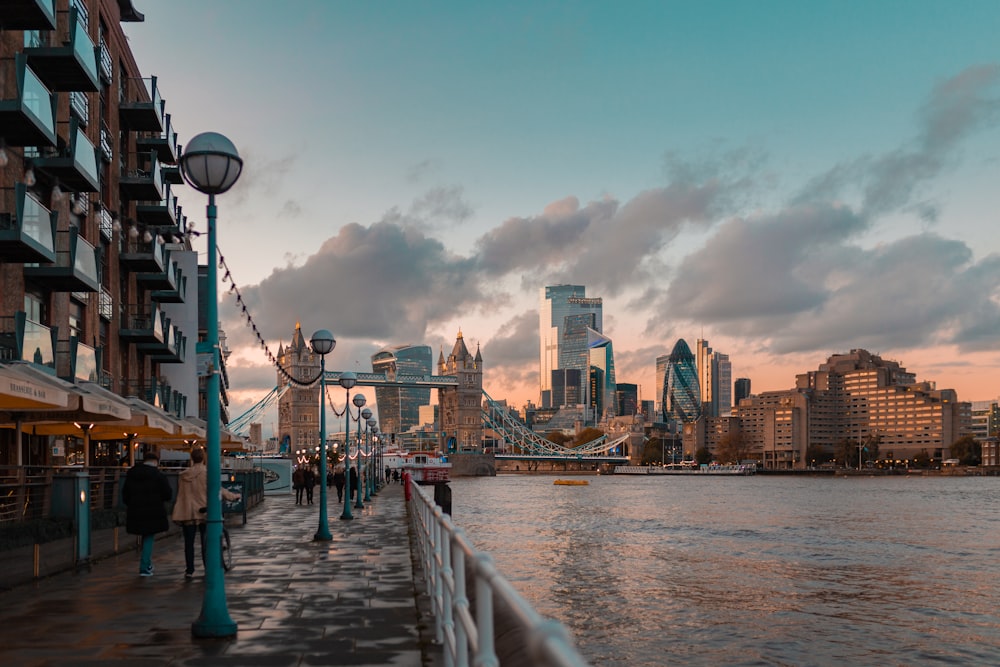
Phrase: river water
{"type": "Point", "coordinates": [763, 570]}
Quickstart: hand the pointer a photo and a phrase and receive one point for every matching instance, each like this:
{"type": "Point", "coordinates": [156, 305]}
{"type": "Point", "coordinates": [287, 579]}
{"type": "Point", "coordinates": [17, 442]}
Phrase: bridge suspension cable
{"type": "Point", "coordinates": [240, 424]}
{"type": "Point", "coordinates": [513, 431]}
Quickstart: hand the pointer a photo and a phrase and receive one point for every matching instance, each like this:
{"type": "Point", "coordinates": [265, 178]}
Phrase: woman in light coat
{"type": "Point", "coordinates": [192, 501]}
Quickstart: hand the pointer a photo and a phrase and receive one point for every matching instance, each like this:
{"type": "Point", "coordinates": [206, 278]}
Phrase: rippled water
{"type": "Point", "coordinates": [752, 570]}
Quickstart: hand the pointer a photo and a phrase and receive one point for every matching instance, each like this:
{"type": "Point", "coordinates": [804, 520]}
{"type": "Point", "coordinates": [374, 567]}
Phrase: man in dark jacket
{"type": "Point", "coordinates": [146, 493]}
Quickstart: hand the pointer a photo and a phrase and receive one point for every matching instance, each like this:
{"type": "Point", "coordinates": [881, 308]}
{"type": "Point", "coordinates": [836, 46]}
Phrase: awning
{"type": "Point", "coordinates": [85, 403]}
{"type": "Point", "coordinates": [19, 392]}
{"type": "Point", "coordinates": [185, 434]}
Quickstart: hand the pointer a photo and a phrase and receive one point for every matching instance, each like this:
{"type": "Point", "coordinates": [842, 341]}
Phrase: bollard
{"type": "Point", "coordinates": [406, 486]}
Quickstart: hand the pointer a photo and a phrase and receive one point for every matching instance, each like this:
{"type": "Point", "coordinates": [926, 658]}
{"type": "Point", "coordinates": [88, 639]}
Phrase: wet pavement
{"type": "Point", "coordinates": [355, 600]}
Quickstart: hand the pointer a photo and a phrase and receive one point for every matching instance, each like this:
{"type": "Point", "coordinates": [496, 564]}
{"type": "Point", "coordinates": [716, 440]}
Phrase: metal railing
{"type": "Point", "coordinates": [470, 598]}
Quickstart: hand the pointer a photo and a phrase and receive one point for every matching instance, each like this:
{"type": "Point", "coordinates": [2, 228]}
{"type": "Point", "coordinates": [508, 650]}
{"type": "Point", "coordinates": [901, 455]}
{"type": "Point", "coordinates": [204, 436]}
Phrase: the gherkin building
{"type": "Point", "coordinates": [681, 395]}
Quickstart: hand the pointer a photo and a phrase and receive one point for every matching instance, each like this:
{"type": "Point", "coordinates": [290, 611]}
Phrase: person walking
{"type": "Point", "coordinates": [146, 493]}
{"type": "Point", "coordinates": [192, 501]}
{"type": "Point", "coordinates": [299, 484]}
{"type": "Point", "coordinates": [310, 482]}
{"type": "Point", "coordinates": [338, 481]}
{"type": "Point", "coordinates": [388, 474]}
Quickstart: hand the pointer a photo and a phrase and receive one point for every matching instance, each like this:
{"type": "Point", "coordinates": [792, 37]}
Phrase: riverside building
{"type": "Point", "coordinates": [856, 398]}
{"type": "Point", "coordinates": [100, 283]}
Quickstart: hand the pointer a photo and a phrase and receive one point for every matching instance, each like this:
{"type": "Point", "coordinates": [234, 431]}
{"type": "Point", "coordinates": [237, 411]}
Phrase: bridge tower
{"type": "Point", "coordinates": [460, 408]}
{"type": "Point", "coordinates": [298, 408]}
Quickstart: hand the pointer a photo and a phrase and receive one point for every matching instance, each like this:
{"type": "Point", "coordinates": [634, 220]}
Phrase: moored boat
{"type": "Point", "coordinates": [427, 468]}
{"type": "Point", "coordinates": [571, 482]}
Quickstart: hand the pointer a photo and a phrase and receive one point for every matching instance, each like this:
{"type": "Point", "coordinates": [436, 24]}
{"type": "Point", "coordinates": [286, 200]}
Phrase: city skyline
{"type": "Point", "coordinates": [711, 170]}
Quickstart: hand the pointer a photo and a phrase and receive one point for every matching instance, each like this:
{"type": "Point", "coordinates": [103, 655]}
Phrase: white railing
{"type": "Point", "coordinates": [465, 628]}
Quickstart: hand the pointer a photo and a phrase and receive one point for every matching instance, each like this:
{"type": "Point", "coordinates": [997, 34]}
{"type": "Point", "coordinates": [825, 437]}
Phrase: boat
{"type": "Point", "coordinates": [571, 482]}
{"type": "Point", "coordinates": [427, 467]}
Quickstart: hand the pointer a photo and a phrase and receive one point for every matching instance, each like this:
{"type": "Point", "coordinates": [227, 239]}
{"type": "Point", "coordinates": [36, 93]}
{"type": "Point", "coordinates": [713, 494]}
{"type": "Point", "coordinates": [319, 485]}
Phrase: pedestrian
{"type": "Point", "coordinates": [352, 482]}
{"type": "Point", "coordinates": [299, 484]}
{"type": "Point", "coordinates": [338, 481]}
{"type": "Point", "coordinates": [388, 474]}
{"type": "Point", "coordinates": [310, 482]}
{"type": "Point", "coordinates": [395, 475]}
{"type": "Point", "coordinates": [146, 493]}
{"type": "Point", "coordinates": [190, 509]}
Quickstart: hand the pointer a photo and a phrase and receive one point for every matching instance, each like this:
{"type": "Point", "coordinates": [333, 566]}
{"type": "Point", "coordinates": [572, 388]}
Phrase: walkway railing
{"type": "Point", "coordinates": [471, 600]}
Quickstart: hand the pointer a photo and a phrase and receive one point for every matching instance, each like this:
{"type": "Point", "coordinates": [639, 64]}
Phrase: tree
{"type": "Point", "coordinates": [652, 452]}
{"type": "Point", "coordinates": [846, 450]}
{"type": "Point", "coordinates": [967, 451]}
{"type": "Point", "coordinates": [587, 435]}
{"type": "Point", "coordinates": [817, 455]}
{"type": "Point", "coordinates": [922, 459]}
{"type": "Point", "coordinates": [703, 455]}
{"type": "Point", "coordinates": [557, 437]}
{"type": "Point", "coordinates": [733, 447]}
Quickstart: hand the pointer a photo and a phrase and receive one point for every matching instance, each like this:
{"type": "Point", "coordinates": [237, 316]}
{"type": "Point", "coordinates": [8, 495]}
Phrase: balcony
{"type": "Point", "coordinates": [75, 268]}
{"type": "Point", "coordinates": [74, 165]}
{"type": "Point", "coordinates": [105, 63]}
{"type": "Point", "coordinates": [160, 280]}
{"type": "Point", "coordinates": [106, 222]}
{"type": "Point", "coordinates": [173, 294]}
{"type": "Point", "coordinates": [172, 350]}
{"type": "Point", "coordinates": [162, 213]}
{"type": "Point", "coordinates": [107, 146]}
{"type": "Point", "coordinates": [69, 60]}
{"type": "Point", "coordinates": [172, 173]}
{"type": "Point", "coordinates": [27, 228]}
{"type": "Point", "coordinates": [140, 106]}
{"type": "Point", "coordinates": [142, 324]}
{"type": "Point", "coordinates": [143, 182]}
{"type": "Point", "coordinates": [27, 107]}
{"type": "Point", "coordinates": [84, 361]}
{"type": "Point", "coordinates": [79, 105]}
{"type": "Point", "coordinates": [105, 305]}
{"type": "Point", "coordinates": [140, 255]}
{"type": "Point", "coordinates": [24, 340]}
{"type": "Point", "coordinates": [164, 143]}
{"type": "Point", "coordinates": [164, 345]}
{"type": "Point", "coordinates": [28, 15]}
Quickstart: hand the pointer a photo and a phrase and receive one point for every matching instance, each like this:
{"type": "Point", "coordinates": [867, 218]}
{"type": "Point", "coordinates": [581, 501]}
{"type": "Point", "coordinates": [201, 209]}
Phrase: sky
{"type": "Point", "coordinates": [787, 180]}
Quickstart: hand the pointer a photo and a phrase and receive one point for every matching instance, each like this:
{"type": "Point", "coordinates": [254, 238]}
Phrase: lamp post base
{"type": "Point", "coordinates": [213, 630]}
{"type": "Point", "coordinates": [321, 536]}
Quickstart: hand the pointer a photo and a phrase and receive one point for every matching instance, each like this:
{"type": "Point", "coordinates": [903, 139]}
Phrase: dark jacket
{"type": "Point", "coordinates": [146, 492]}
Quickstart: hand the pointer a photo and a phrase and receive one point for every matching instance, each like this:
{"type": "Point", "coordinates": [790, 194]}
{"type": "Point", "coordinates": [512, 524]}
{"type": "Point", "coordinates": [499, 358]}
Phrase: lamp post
{"type": "Point", "coordinates": [377, 444]}
{"type": "Point", "coordinates": [322, 343]}
{"type": "Point", "coordinates": [373, 460]}
{"type": "Point", "coordinates": [211, 165]}
{"type": "Point", "coordinates": [347, 381]}
{"type": "Point", "coordinates": [359, 402]}
{"type": "Point", "coordinates": [366, 417]}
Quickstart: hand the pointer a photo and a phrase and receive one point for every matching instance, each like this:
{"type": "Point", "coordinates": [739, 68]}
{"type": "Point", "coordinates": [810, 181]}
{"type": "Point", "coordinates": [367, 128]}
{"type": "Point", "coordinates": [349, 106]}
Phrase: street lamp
{"type": "Point", "coordinates": [359, 402]}
{"type": "Point", "coordinates": [211, 165]}
{"type": "Point", "coordinates": [376, 442]}
{"type": "Point", "coordinates": [322, 343]}
{"type": "Point", "coordinates": [366, 416]}
{"type": "Point", "coordinates": [347, 381]}
{"type": "Point", "coordinates": [373, 461]}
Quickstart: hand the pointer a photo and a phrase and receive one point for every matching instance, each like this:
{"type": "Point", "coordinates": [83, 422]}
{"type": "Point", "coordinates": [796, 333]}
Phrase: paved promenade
{"type": "Point", "coordinates": [352, 601]}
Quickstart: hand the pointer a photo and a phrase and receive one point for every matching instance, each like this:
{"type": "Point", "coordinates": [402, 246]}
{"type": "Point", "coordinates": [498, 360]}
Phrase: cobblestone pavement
{"type": "Point", "coordinates": [355, 600]}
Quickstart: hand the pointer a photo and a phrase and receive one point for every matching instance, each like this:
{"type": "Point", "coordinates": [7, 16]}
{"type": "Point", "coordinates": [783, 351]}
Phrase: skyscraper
{"type": "Point", "coordinates": [556, 304]}
{"type": "Point", "coordinates": [662, 364]}
{"type": "Point", "coordinates": [715, 377]}
{"type": "Point", "coordinates": [683, 398]}
{"type": "Point", "coordinates": [399, 407]}
{"type": "Point", "coordinates": [742, 390]}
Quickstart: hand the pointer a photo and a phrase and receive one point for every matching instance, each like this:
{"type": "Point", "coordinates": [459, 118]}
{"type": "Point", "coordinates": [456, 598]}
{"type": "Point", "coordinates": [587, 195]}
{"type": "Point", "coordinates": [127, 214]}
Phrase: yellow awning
{"type": "Point", "coordinates": [19, 391]}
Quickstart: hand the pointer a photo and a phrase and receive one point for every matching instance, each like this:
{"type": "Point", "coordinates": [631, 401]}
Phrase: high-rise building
{"type": "Point", "coordinates": [628, 399]}
{"type": "Point", "coordinates": [603, 398]}
{"type": "Point", "coordinates": [662, 363]}
{"type": "Point", "coordinates": [683, 402]}
{"type": "Point", "coordinates": [399, 407]}
{"type": "Point", "coordinates": [742, 390]}
{"type": "Point", "coordinates": [556, 303]}
{"type": "Point", "coordinates": [715, 377]}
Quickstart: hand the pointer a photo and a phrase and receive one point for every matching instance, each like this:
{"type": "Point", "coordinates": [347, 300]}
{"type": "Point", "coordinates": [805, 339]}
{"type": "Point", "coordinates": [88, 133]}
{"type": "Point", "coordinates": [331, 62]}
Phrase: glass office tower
{"type": "Point", "coordinates": [683, 402]}
{"type": "Point", "coordinates": [399, 407]}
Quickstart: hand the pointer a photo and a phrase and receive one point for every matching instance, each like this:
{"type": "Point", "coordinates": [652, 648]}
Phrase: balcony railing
{"type": "Point", "coordinates": [79, 104]}
{"type": "Point", "coordinates": [164, 143]}
{"type": "Point", "coordinates": [107, 146]}
{"type": "Point", "coordinates": [69, 60]}
{"type": "Point", "coordinates": [76, 164]}
{"type": "Point", "coordinates": [142, 177]}
{"type": "Point", "coordinates": [106, 305]}
{"type": "Point", "coordinates": [140, 105]}
{"type": "Point", "coordinates": [28, 14]}
{"type": "Point", "coordinates": [27, 228]}
{"type": "Point", "coordinates": [22, 339]}
{"type": "Point", "coordinates": [27, 106]}
{"type": "Point", "coordinates": [106, 222]}
{"type": "Point", "coordinates": [75, 268]}
{"type": "Point", "coordinates": [105, 63]}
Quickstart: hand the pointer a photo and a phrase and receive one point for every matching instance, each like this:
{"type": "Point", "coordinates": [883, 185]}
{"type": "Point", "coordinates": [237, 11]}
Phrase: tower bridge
{"type": "Point", "coordinates": [465, 411]}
